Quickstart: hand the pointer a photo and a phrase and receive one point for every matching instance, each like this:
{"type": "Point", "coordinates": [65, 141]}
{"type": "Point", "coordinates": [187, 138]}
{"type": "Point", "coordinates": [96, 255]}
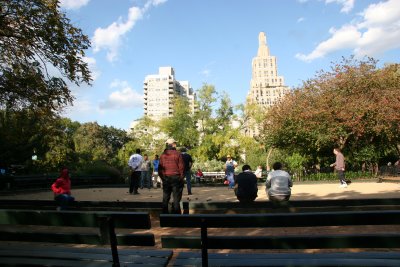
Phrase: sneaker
{"type": "Point", "coordinates": [343, 185]}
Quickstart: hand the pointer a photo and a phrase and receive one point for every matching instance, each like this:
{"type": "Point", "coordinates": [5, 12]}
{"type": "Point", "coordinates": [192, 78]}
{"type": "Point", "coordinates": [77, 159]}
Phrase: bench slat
{"type": "Point", "coordinates": [137, 220]}
{"type": "Point", "coordinates": [285, 242]}
{"type": "Point", "coordinates": [382, 217]}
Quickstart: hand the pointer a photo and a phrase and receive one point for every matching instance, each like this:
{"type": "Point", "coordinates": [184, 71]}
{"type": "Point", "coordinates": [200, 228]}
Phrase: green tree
{"type": "Point", "coordinates": [36, 37]}
{"type": "Point", "coordinates": [353, 106]}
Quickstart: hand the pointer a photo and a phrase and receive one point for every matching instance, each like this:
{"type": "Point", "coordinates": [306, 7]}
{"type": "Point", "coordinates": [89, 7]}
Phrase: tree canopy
{"type": "Point", "coordinates": [355, 106]}
{"type": "Point", "coordinates": [37, 41]}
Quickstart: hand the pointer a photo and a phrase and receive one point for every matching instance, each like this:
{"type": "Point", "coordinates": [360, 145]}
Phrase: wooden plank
{"type": "Point", "coordinates": [385, 217]}
{"type": "Point", "coordinates": [286, 242]}
{"type": "Point", "coordinates": [136, 220]}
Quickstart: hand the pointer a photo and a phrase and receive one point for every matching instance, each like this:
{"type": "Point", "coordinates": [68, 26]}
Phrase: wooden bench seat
{"type": "Point", "coordinates": [203, 241]}
{"type": "Point", "coordinates": [76, 227]}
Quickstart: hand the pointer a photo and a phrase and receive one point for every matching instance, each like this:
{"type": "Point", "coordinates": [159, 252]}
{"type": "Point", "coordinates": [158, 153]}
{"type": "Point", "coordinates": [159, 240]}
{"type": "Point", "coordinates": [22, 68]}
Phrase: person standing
{"type": "Point", "coordinates": [135, 162]}
{"type": "Point", "coordinates": [278, 184]}
{"type": "Point", "coordinates": [62, 190]}
{"type": "Point", "coordinates": [339, 166]}
{"type": "Point", "coordinates": [145, 177]}
{"type": "Point", "coordinates": [188, 161]}
{"type": "Point", "coordinates": [229, 168]}
{"type": "Point", "coordinates": [258, 172]}
{"type": "Point", "coordinates": [171, 170]}
{"type": "Point", "coordinates": [246, 185]}
{"type": "Point", "coordinates": [156, 178]}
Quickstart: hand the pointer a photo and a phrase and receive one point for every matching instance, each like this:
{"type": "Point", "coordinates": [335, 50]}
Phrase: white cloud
{"type": "Point", "coordinates": [347, 4]}
{"type": "Point", "coordinates": [80, 108]}
{"type": "Point", "coordinates": [300, 19]}
{"type": "Point", "coordinates": [73, 4]}
{"type": "Point", "coordinates": [109, 38]}
{"type": "Point", "coordinates": [125, 97]}
{"type": "Point", "coordinates": [378, 31]}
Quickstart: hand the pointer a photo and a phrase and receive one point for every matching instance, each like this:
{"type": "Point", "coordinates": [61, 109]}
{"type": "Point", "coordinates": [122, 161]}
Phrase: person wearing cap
{"type": "Point", "coordinates": [171, 170]}
{"type": "Point", "coordinates": [229, 168]}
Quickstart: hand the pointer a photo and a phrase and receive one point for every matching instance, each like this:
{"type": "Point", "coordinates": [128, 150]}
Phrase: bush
{"type": "Point", "coordinates": [101, 168]}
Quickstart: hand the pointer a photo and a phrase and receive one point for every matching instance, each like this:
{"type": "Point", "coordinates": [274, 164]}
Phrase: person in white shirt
{"type": "Point", "coordinates": [135, 162]}
{"type": "Point", "coordinates": [258, 172]}
{"type": "Point", "coordinates": [278, 184]}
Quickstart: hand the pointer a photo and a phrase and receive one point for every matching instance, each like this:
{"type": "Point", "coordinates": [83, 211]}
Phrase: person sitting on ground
{"type": "Point", "coordinates": [278, 184]}
{"type": "Point", "coordinates": [246, 185]}
{"type": "Point", "coordinates": [62, 190]}
{"type": "Point", "coordinates": [258, 172]}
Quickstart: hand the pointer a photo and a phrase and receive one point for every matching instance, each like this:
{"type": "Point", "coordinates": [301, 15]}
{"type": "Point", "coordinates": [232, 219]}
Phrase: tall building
{"type": "Point", "coordinates": [160, 90]}
{"type": "Point", "coordinates": [266, 87]}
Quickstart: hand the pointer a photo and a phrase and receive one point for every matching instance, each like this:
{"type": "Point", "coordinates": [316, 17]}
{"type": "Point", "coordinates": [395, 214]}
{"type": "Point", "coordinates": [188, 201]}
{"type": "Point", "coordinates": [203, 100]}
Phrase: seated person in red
{"type": "Point", "coordinates": [62, 190]}
{"type": "Point", "coordinates": [246, 185]}
{"type": "Point", "coordinates": [199, 175]}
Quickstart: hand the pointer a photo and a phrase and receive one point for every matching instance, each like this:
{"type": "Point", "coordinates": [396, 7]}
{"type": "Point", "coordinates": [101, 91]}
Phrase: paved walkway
{"type": "Point", "coordinates": [300, 191]}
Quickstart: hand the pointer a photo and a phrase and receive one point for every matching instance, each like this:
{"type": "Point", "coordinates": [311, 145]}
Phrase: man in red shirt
{"type": "Point", "coordinates": [171, 171]}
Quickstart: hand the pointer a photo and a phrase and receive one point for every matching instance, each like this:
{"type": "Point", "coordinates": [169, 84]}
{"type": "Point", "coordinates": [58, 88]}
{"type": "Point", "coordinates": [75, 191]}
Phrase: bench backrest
{"type": "Point", "coordinates": [104, 222]}
{"type": "Point", "coordinates": [309, 219]}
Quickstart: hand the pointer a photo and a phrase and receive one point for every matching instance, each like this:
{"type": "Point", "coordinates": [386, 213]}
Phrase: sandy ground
{"type": "Point", "coordinates": [300, 191]}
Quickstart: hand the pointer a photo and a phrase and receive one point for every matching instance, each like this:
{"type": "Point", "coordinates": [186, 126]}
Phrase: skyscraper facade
{"type": "Point", "coordinates": [266, 86]}
{"type": "Point", "coordinates": [160, 90]}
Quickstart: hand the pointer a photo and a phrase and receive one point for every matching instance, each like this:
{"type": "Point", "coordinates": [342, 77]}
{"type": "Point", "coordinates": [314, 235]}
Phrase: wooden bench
{"type": "Point", "coordinates": [376, 240]}
{"type": "Point", "coordinates": [190, 207]}
{"type": "Point", "coordinates": [76, 227]}
{"type": "Point", "coordinates": [213, 176]}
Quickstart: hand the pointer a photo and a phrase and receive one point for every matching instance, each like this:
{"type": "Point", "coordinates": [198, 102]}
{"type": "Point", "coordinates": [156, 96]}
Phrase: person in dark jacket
{"type": "Point", "coordinates": [171, 170]}
{"type": "Point", "coordinates": [188, 161]}
{"type": "Point", "coordinates": [246, 185]}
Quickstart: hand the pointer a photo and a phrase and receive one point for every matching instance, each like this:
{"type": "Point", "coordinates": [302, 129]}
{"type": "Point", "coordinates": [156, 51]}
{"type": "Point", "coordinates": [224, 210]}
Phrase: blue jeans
{"type": "Point", "coordinates": [63, 200]}
{"type": "Point", "coordinates": [188, 176]}
{"type": "Point", "coordinates": [145, 179]}
{"type": "Point", "coordinates": [172, 185]}
{"type": "Point", "coordinates": [231, 179]}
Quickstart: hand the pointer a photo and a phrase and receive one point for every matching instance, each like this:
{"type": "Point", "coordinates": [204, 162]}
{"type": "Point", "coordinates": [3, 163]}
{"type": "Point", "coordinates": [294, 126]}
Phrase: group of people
{"type": "Point", "coordinates": [173, 166]}
{"type": "Point", "coordinates": [279, 182]}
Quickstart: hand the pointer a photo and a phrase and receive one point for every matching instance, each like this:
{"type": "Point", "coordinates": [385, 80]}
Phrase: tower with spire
{"type": "Point", "coordinates": [266, 86]}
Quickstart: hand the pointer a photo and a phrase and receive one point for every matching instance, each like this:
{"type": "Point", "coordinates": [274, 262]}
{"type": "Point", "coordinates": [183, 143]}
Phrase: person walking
{"type": "Point", "coordinates": [171, 170]}
{"type": "Point", "coordinates": [135, 162]}
{"type": "Point", "coordinates": [278, 184]}
{"type": "Point", "coordinates": [156, 178]}
{"type": "Point", "coordinates": [339, 166]}
{"type": "Point", "coordinates": [188, 161]}
{"type": "Point", "coordinates": [229, 168]}
{"type": "Point", "coordinates": [145, 175]}
{"type": "Point", "coordinates": [62, 190]}
{"type": "Point", "coordinates": [246, 185]}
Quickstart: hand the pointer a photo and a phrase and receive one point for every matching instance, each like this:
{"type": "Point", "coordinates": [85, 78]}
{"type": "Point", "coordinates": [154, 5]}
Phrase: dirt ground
{"type": "Point", "coordinates": [300, 191]}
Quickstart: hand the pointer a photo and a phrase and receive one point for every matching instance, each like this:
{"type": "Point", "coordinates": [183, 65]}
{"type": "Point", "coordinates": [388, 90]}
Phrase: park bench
{"type": "Point", "coordinates": [54, 229]}
{"type": "Point", "coordinates": [372, 241]}
{"type": "Point", "coordinates": [190, 207]}
{"type": "Point", "coordinates": [213, 177]}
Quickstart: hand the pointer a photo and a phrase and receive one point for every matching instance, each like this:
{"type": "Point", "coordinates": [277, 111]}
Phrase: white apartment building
{"type": "Point", "coordinates": [266, 86]}
{"type": "Point", "coordinates": [160, 90]}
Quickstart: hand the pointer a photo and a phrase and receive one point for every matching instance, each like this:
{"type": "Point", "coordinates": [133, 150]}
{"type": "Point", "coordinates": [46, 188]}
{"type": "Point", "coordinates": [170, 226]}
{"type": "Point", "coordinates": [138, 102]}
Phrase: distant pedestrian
{"type": "Point", "coordinates": [246, 185]}
{"type": "Point", "coordinates": [278, 184]}
{"type": "Point", "coordinates": [258, 172]}
{"type": "Point", "coordinates": [339, 166]}
{"type": "Point", "coordinates": [135, 162]}
{"type": "Point", "coordinates": [229, 168]}
{"type": "Point", "coordinates": [171, 170]}
{"type": "Point", "coordinates": [188, 161]}
{"type": "Point", "coordinates": [199, 175]}
{"type": "Point", "coordinates": [156, 178]}
{"type": "Point", "coordinates": [62, 190]}
{"type": "Point", "coordinates": [145, 176]}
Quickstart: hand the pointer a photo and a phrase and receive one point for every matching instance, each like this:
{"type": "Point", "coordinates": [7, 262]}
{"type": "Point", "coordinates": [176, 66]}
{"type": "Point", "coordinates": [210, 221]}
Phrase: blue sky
{"type": "Point", "coordinates": [214, 41]}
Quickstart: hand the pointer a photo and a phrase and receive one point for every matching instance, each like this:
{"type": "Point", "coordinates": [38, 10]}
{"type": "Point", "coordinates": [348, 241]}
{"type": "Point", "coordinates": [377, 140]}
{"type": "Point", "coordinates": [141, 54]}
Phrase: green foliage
{"type": "Point", "coordinates": [208, 166]}
{"type": "Point", "coordinates": [296, 164]}
{"type": "Point", "coordinates": [35, 34]}
{"type": "Point", "coordinates": [100, 168]}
